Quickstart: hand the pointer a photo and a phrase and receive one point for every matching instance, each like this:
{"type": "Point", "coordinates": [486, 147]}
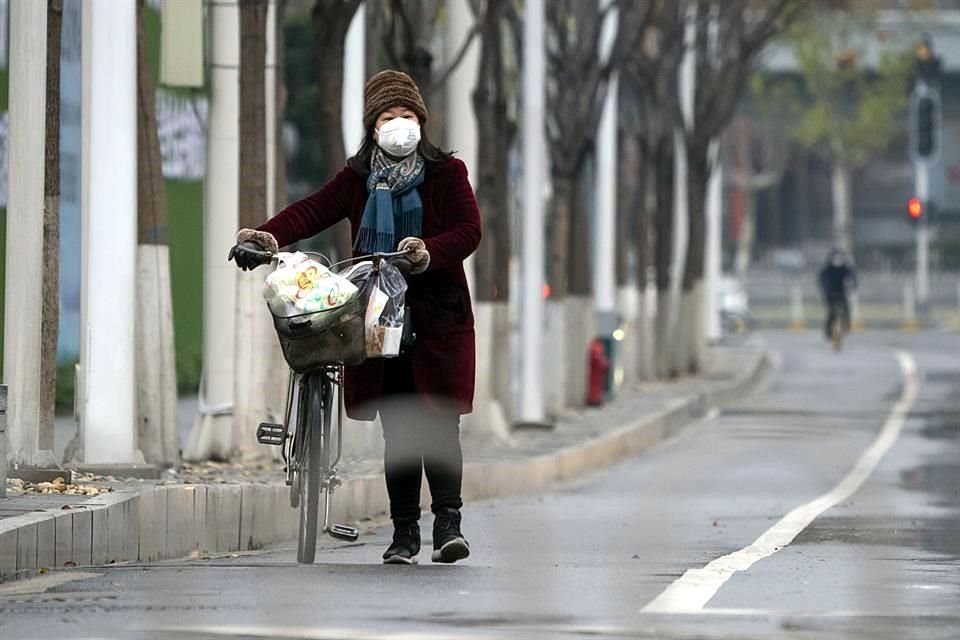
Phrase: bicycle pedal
{"type": "Point", "coordinates": [269, 433]}
{"type": "Point", "coordinates": [343, 532]}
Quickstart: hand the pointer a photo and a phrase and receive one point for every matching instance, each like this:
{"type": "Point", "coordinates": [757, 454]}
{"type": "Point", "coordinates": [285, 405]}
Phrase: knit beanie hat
{"type": "Point", "coordinates": [389, 89]}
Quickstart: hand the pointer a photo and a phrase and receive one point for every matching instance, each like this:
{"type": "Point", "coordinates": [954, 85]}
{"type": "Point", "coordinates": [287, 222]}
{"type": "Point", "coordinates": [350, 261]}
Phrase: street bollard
{"type": "Point", "coordinates": [909, 322]}
{"type": "Point", "coordinates": [3, 441]}
{"type": "Point", "coordinates": [797, 321]}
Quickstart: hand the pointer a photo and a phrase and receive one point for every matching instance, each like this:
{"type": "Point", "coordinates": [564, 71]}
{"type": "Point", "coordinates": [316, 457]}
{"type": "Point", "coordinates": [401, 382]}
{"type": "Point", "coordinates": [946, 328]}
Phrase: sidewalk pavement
{"type": "Point", "coordinates": [223, 507]}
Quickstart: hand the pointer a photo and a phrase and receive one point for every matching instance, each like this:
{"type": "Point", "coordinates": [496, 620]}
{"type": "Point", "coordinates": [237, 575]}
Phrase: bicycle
{"type": "Point", "coordinates": [837, 310]}
{"type": "Point", "coordinates": [316, 375]}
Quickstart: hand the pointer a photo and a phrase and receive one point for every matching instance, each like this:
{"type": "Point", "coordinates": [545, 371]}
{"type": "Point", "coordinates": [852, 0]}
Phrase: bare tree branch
{"type": "Point", "coordinates": [444, 75]}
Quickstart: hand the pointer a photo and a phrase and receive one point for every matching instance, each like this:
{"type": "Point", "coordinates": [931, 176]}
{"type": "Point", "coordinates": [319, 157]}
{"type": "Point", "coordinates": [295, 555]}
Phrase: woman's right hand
{"type": "Point", "coordinates": [249, 255]}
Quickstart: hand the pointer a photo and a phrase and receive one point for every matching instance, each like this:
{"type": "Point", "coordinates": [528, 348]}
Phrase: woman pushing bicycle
{"type": "Point", "coordinates": [402, 193]}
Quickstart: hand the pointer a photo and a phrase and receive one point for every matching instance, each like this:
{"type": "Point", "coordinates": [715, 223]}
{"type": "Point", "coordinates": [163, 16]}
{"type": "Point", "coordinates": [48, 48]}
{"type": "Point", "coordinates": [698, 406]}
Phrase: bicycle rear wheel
{"type": "Point", "coordinates": [836, 333]}
{"type": "Point", "coordinates": [310, 469]}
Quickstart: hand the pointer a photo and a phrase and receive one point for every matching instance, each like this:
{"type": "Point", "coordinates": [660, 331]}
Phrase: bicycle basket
{"type": "Point", "coordinates": [326, 337]}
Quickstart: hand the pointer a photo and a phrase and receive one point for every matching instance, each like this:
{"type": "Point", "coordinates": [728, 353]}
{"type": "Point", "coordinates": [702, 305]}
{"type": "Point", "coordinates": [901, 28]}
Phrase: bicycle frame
{"type": "Point", "coordinates": [311, 463]}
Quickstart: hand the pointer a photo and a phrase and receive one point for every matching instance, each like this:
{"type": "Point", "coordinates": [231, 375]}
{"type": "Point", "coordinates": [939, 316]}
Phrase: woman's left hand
{"type": "Point", "coordinates": [417, 253]}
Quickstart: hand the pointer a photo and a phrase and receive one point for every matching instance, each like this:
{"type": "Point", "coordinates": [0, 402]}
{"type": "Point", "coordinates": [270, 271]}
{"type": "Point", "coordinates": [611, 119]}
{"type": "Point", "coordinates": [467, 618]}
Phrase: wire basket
{"type": "Point", "coordinates": [312, 340]}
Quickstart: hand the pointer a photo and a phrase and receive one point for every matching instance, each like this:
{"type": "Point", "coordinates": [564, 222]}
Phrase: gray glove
{"type": "Point", "coordinates": [418, 255]}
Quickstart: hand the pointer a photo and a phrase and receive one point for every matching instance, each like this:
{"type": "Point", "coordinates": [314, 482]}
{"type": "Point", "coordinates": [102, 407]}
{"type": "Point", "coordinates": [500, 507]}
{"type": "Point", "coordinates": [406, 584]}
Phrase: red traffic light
{"type": "Point", "coordinates": [914, 208]}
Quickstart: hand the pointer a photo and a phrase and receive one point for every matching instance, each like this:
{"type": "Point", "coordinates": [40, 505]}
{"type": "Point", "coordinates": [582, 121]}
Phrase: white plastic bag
{"type": "Point", "coordinates": [301, 285]}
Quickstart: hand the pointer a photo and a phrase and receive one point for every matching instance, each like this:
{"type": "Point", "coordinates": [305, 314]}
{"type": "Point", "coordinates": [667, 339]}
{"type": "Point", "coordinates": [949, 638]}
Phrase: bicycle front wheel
{"type": "Point", "coordinates": [309, 485]}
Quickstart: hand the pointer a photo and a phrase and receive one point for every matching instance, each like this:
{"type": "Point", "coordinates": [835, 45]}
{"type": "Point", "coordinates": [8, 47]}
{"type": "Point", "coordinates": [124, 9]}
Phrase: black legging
{"type": "Point", "coordinates": [417, 439]}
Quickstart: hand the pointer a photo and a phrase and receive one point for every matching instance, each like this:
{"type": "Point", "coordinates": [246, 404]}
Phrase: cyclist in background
{"type": "Point", "coordinates": [837, 277]}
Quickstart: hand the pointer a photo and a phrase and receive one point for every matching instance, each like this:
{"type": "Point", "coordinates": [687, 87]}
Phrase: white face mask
{"type": "Point", "coordinates": [399, 137]}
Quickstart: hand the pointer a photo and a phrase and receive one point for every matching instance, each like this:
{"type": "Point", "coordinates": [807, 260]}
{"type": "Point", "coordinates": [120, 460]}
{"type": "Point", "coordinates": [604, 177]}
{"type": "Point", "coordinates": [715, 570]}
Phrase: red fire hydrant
{"type": "Point", "coordinates": [597, 369]}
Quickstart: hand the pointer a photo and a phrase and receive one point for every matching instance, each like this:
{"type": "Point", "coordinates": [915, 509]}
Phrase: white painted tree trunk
{"type": "Point", "coordinates": [24, 261]}
{"type": "Point", "coordinates": [157, 422]}
{"type": "Point", "coordinates": [275, 367]}
{"type": "Point", "coordinates": [681, 343]}
{"type": "Point", "coordinates": [696, 327]}
{"type": "Point", "coordinates": [212, 433]}
{"type": "Point", "coordinates": [252, 374]}
{"type": "Point", "coordinates": [842, 209]}
{"type": "Point", "coordinates": [646, 317]}
{"type": "Point", "coordinates": [663, 335]}
{"type": "Point", "coordinates": [489, 419]}
{"type": "Point", "coordinates": [260, 373]}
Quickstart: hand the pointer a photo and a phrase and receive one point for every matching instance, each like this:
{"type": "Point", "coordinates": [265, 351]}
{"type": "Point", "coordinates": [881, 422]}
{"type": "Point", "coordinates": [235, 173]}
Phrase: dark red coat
{"type": "Point", "coordinates": [444, 355]}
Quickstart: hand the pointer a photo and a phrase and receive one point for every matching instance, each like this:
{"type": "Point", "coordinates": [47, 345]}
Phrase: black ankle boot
{"type": "Point", "coordinates": [449, 545]}
{"type": "Point", "coordinates": [405, 545]}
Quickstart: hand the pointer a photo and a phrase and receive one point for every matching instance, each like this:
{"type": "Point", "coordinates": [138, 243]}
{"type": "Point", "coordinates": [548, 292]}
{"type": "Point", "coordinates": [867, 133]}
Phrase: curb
{"type": "Point", "coordinates": [175, 521]}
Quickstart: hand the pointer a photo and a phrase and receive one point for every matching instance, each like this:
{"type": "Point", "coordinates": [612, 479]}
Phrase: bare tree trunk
{"type": "Point", "coordinates": [50, 309]}
{"type": "Point", "coordinates": [280, 87]}
{"type": "Point", "coordinates": [253, 160]}
{"type": "Point", "coordinates": [157, 422]}
{"type": "Point", "coordinates": [663, 251]}
{"type": "Point", "coordinates": [629, 203]}
{"type": "Point", "coordinates": [374, 39]}
{"type": "Point", "coordinates": [642, 231]}
{"type": "Point", "coordinates": [698, 174]}
{"type": "Point", "coordinates": [580, 280]}
{"type": "Point", "coordinates": [564, 192]}
{"type": "Point", "coordinates": [250, 383]}
{"type": "Point", "coordinates": [629, 211]}
{"type": "Point", "coordinates": [490, 107]}
{"type": "Point", "coordinates": [331, 20]}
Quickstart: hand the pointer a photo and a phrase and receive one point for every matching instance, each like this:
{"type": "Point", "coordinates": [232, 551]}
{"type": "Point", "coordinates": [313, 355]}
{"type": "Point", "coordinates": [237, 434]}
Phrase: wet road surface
{"type": "Point", "coordinates": [826, 505]}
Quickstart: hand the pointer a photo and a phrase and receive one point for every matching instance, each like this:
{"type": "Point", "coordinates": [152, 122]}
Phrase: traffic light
{"type": "Point", "coordinates": [926, 127]}
{"type": "Point", "coordinates": [914, 209]}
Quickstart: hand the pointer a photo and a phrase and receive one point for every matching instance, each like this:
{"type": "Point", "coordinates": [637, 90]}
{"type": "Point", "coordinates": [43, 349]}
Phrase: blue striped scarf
{"type": "Point", "coordinates": [394, 210]}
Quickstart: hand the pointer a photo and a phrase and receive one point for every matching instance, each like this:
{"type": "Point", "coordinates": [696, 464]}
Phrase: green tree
{"type": "Point", "coordinates": [850, 107]}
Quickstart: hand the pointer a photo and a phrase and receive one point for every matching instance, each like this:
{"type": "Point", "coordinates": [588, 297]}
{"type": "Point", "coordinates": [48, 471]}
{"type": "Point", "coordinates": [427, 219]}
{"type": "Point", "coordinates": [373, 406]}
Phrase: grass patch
{"type": "Point", "coordinates": [185, 212]}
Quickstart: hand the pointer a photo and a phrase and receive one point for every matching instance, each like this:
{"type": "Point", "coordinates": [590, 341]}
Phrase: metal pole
{"type": "Point", "coordinates": [605, 254]}
{"type": "Point", "coordinates": [909, 307]}
{"type": "Point", "coordinates": [109, 359]}
{"type": "Point", "coordinates": [923, 234]}
{"type": "Point", "coordinates": [532, 303]}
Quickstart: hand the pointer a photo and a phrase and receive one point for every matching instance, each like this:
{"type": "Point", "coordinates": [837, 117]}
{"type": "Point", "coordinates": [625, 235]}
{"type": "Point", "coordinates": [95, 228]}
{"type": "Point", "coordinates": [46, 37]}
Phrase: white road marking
{"type": "Point", "coordinates": [695, 588]}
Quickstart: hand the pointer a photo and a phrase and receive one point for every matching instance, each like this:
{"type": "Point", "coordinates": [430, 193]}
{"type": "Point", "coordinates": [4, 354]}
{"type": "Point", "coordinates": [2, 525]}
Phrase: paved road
{"type": "Point", "coordinates": [827, 505]}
